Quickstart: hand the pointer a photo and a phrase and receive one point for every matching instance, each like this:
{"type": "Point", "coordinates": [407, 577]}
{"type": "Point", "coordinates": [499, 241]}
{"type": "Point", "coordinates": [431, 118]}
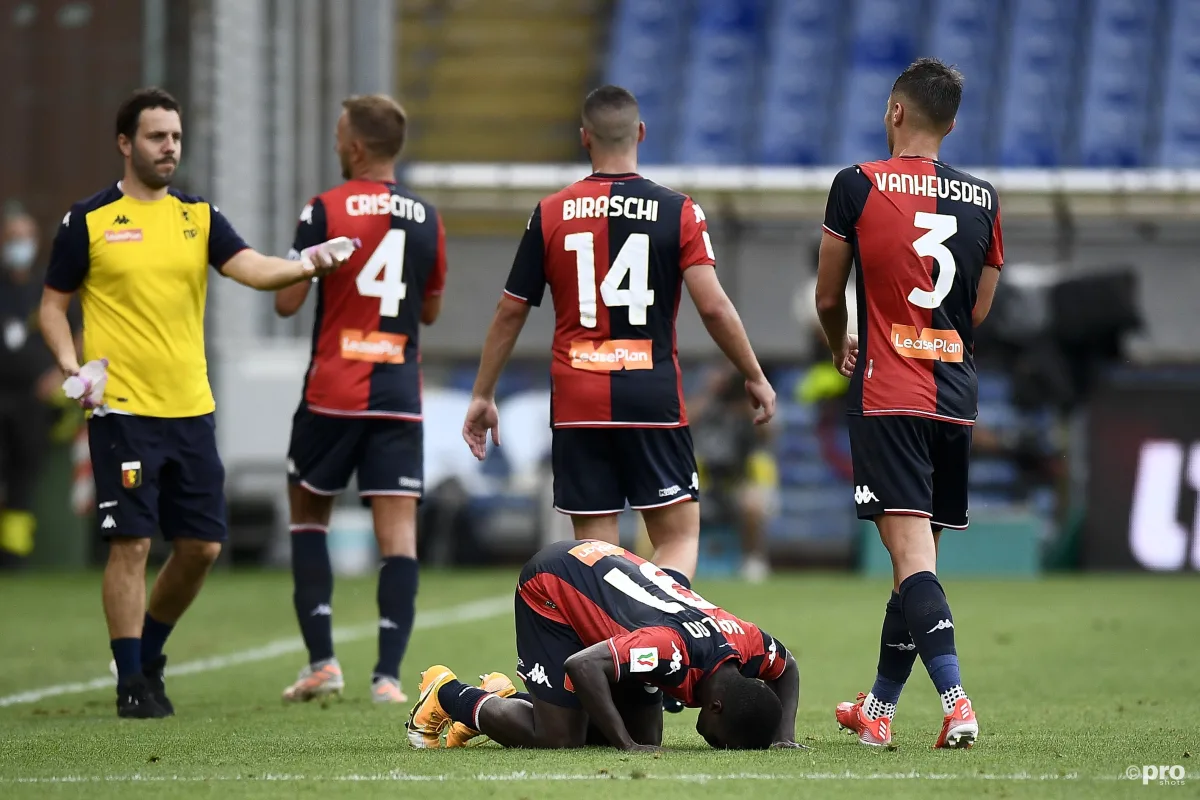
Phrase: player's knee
{"type": "Point", "coordinates": [128, 551]}
{"type": "Point", "coordinates": [198, 555]}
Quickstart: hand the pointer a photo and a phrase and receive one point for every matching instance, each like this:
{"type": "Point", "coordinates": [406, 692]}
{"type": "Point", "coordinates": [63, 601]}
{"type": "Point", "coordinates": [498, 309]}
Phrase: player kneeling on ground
{"type": "Point", "coordinates": [599, 633]}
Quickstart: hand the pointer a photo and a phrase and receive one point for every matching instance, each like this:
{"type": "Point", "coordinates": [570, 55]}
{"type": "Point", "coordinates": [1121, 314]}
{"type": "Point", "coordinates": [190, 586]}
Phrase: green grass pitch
{"type": "Point", "coordinates": [1074, 680]}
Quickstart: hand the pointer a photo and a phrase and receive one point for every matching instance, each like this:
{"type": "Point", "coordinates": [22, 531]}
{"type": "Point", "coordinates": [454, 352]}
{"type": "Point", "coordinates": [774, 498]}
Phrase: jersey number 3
{"type": "Point", "coordinates": [383, 274]}
{"type": "Point", "coordinates": [940, 227]}
{"type": "Point", "coordinates": [633, 260]}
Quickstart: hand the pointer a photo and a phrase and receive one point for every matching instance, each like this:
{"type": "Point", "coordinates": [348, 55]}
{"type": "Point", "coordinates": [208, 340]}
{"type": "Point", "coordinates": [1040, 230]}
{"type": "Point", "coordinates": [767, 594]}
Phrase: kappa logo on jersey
{"type": "Point", "coordinates": [127, 235]}
{"type": "Point", "coordinates": [772, 652]}
{"type": "Point", "coordinates": [931, 344]}
{"type": "Point", "coordinates": [863, 494]}
{"type": "Point", "coordinates": [612, 355]}
{"type": "Point", "coordinates": [591, 552]}
{"type": "Point", "coordinates": [121, 220]}
{"type": "Point", "coordinates": [676, 660]}
{"type": "Point", "coordinates": [378, 347]}
{"type": "Point", "coordinates": [643, 659]}
{"type": "Point", "coordinates": [131, 474]}
{"type": "Point", "coordinates": [538, 675]}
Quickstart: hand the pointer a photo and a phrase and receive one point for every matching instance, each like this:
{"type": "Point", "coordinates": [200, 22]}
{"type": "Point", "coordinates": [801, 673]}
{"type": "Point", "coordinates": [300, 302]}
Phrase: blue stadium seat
{"type": "Point", "coordinates": [964, 35]}
{"type": "Point", "coordinates": [1116, 92]}
{"type": "Point", "coordinates": [883, 41]}
{"type": "Point", "coordinates": [720, 82]}
{"type": "Point", "coordinates": [797, 84]}
{"type": "Point", "coordinates": [648, 40]}
{"type": "Point", "coordinates": [1036, 113]}
{"type": "Point", "coordinates": [1179, 143]}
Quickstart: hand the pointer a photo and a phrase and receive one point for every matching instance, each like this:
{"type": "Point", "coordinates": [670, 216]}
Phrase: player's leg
{"type": "Point", "coordinates": [191, 509]}
{"type": "Point", "coordinates": [126, 454]}
{"type": "Point", "coordinates": [659, 477]}
{"type": "Point", "coordinates": [322, 454]}
{"type": "Point", "coordinates": [892, 487]}
{"type": "Point", "coordinates": [951, 464]}
{"type": "Point", "coordinates": [586, 485]}
{"type": "Point", "coordinates": [391, 474]}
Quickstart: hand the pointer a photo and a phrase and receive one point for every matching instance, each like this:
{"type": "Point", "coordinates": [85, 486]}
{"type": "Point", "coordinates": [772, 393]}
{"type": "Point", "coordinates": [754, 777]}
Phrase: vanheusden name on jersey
{"type": "Point", "coordinates": [929, 343]}
{"type": "Point", "coordinates": [933, 186]}
{"type": "Point", "coordinates": [613, 355]}
{"type": "Point", "coordinates": [378, 347]}
{"type": "Point", "coordinates": [614, 206]}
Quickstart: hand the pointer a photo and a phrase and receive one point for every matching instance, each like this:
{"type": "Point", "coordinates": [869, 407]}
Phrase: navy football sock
{"type": "Point", "coordinates": [931, 626]}
{"type": "Point", "coordinates": [397, 598]}
{"type": "Point", "coordinates": [462, 702]}
{"type": "Point", "coordinates": [312, 594]}
{"type": "Point", "coordinates": [678, 577]}
{"type": "Point", "coordinates": [896, 656]}
{"type": "Point", "coordinates": [128, 655]}
{"type": "Point", "coordinates": [154, 636]}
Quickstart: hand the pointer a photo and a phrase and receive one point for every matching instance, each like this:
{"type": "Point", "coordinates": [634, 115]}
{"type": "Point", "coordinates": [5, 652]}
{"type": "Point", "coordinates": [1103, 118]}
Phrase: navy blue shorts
{"type": "Point", "coordinates": [155, 473]}
{"type": "Point", "coordinates": [387, 454]}
{"type": "Point", "coordinates": [911, 465]}
{"type": "Point", "coordinates": [596, 470]}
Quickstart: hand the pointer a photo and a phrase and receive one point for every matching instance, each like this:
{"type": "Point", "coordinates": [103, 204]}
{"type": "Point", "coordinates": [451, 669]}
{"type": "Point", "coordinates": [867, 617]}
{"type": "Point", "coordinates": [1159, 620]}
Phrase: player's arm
{"type": "Point", "coordinates": [69, 260]}
{"type": "Point", "coordinates": [311, 230]}
{"type": "Point", "coordinates": [593, 672]}
{"type": "Point", "coordinates": [233, 258]}
{"type": "Point", "coordinates": [847, 196]}
{"type": "Point", "coordinates": [787, 689]}
{"type": "Point", "coordinates": [431, 303]}
{"type": "Point", "coordinates": [991, 273]}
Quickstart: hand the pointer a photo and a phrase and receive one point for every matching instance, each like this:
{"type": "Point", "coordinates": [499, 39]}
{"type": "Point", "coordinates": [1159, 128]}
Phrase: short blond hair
{"type": "Point", "coordinates": [379, 122]}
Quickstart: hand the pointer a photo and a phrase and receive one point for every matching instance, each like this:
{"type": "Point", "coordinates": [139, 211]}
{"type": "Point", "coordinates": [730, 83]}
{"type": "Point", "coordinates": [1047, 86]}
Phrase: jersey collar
{"type": "Point", "coordinates": [609, 177]}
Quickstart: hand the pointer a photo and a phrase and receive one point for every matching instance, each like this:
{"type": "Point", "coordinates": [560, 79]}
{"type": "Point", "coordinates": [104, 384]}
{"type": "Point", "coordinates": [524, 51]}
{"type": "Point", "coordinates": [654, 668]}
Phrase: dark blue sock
{"type": "Point", "coordinates": [678, 577]}
{"type": "Point", "coordinates": [931, 626]}
{"type": "Point", "coordinates": [312, 593]}
{"type": "Point", "coordinates": [397, 598]}
{"type": "Point", "coordinates": [154, 636]}
{"type": "Point", "coordinates": [128, 655]}
{"type": "Point", "coordinates": [896, 654]}
{"type": "Point", "coordinates": [460, 701]}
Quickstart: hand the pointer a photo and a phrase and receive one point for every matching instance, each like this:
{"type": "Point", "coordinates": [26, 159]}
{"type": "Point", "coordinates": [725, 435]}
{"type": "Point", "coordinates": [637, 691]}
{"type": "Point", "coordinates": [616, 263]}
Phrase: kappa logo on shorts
{"type": "Point", "coordinates": [377, 346]}
{"type": "Point", "coordinates": [612, 355]}
{"type": "Point", "coordinates": [643, 659]}
{"type": "Point", "coordinates": [109, 523]}
{"type": "Point", "coordinates": [410, 483]}
{"type": "Point", "coordinates": [929, 344]}
{"type": "Point", "coordinates": [131, 474]}
{"type": "Point", "coordinates": [538, 675]}
{"type": "Point", "coordinates": [863, 494]}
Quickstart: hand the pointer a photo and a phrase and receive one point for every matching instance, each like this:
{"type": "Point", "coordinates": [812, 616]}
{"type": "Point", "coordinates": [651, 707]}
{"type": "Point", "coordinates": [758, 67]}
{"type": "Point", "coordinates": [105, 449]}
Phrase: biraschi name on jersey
{"type": "Point", "coordinates": [361, 205]}
{"type": "Point", "coordinates": [614, 206]}
{"type": "Point", "coordinates": [934, 186]}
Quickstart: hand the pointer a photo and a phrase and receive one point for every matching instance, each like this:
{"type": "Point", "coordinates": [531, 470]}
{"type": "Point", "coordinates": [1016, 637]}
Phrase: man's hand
{"type": "Point", "coordinates": [634, 747]}
{"type": "Point", "coordinates": [319, 262]}
{"type": "Point", "coordinates": [482, 416]}
{"type": "Point", "coordinates": [846, 356]}
{"type": "Point", "coordinates": [762, 397]}
{"type": "Point", "coordinates": [789, 746]}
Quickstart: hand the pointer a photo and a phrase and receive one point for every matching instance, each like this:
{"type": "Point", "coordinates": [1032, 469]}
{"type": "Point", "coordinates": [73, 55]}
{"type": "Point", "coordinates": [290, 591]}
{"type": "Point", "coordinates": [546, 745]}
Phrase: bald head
{"type": "Point", "coordinates": [611, 118]}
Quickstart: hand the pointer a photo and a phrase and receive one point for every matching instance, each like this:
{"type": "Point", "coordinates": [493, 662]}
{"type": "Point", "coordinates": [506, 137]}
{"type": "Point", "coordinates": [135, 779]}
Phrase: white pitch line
{"type": "Point", "coordinates": [467, 612]}
{"type": "Point", "coordinates": [555, 777]}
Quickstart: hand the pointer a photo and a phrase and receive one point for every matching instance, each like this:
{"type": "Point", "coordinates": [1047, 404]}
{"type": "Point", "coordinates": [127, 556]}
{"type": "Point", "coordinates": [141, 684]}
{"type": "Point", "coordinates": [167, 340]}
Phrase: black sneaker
{"type": "Point", "coordinates": [135, 701]}
{"type": "Point", "coordinates": [153, 673]}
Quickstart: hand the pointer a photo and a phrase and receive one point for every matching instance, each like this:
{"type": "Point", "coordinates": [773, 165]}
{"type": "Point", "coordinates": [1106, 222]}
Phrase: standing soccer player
{"type": "Point", "coordinates": [138, 254]}
{"type": "Point", "coordinates": [616, 250]}
{"type": "Point", "coordinates": [361, 406]}
{"type": "Point", "coordinates": [926, 240]}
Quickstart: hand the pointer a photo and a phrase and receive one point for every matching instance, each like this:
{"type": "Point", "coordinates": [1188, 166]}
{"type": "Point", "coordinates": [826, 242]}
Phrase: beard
{"type": "Point", "coordinates": [147, 172]}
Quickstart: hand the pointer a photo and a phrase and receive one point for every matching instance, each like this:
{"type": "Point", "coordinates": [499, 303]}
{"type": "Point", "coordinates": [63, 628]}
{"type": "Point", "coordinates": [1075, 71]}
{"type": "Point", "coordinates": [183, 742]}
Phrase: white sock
{"type": "Point", "coordinates": [950, 697]}
{"type": "Point", "coordinates": [875, 708]}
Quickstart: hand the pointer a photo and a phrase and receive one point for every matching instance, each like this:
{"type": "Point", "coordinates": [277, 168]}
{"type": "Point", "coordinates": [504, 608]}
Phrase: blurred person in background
{"type": "Point", "coordinates": [138, 252]}
{"type": "Point", "coordinates": [28, 381]}
{"type": "Point", "coordinates": [738, 473]}
{"type": "Point", "coordinates": [361, 409]}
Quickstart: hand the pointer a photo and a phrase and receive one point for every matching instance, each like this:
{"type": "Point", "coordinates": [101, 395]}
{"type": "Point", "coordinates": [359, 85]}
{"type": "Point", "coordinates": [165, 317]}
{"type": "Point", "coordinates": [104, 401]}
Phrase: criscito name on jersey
{"type": "Point", "coordinates": [363, 205]}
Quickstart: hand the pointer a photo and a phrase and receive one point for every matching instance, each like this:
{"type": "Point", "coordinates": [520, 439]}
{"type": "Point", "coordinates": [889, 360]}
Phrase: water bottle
{"type": "Point", "coordinates": [88, 384]}
{"type": "Point", "coordinates": [339, 248]}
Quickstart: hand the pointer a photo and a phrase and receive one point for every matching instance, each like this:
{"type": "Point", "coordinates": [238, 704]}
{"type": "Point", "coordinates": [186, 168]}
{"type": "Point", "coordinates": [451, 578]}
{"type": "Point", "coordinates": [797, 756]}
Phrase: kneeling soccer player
{"type": "Point", "coordinates": [599, 633]}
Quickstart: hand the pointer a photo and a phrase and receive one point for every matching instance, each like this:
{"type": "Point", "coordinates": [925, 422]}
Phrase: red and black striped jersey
{"type": "Point", "coordinates": [366, 357]}
{"type": "Point", "coordinates": [922, 233]}
{"type": "Point", "coordinates": [613, 249]}
{"type": "Point", "coordinates": [657, 631]}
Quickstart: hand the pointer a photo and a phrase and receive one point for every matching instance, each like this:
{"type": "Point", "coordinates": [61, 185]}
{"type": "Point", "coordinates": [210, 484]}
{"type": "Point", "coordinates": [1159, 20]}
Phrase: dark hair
{"type": "Point", "coordinates": [934, 88]}
{"type": "Point", "coordinates": [131, 110]}
{"type": "Point", "coordinates": [750, 714]}
{"type": "Point", "coordinates": [379, 122]}
{"type": "Point", "coordinates": [611, 114]}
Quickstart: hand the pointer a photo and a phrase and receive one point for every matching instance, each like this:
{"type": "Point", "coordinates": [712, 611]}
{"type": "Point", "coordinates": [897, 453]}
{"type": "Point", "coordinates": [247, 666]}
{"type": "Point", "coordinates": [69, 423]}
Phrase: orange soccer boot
{"type": "Point", "coordinates": [496, 683]}
{"type": "Point", "coordinates": [873, 732]}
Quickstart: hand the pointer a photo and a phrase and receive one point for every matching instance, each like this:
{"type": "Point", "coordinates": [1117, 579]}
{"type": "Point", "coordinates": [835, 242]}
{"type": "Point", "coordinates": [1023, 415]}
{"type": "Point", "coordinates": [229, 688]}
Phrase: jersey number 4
{"type": "Point", "coordinates": [940, 227]}
{"type": "Point", "coordinates": [383, 274]}
{"type": "Point", "coordinates": [633, 259]}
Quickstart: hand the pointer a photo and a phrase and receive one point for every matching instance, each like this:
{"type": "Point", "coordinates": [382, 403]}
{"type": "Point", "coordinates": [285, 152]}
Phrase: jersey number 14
{"type": "Point", "coordinates": [383, 274]}
{"type": "Point", "coordinates": [633, 259]}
